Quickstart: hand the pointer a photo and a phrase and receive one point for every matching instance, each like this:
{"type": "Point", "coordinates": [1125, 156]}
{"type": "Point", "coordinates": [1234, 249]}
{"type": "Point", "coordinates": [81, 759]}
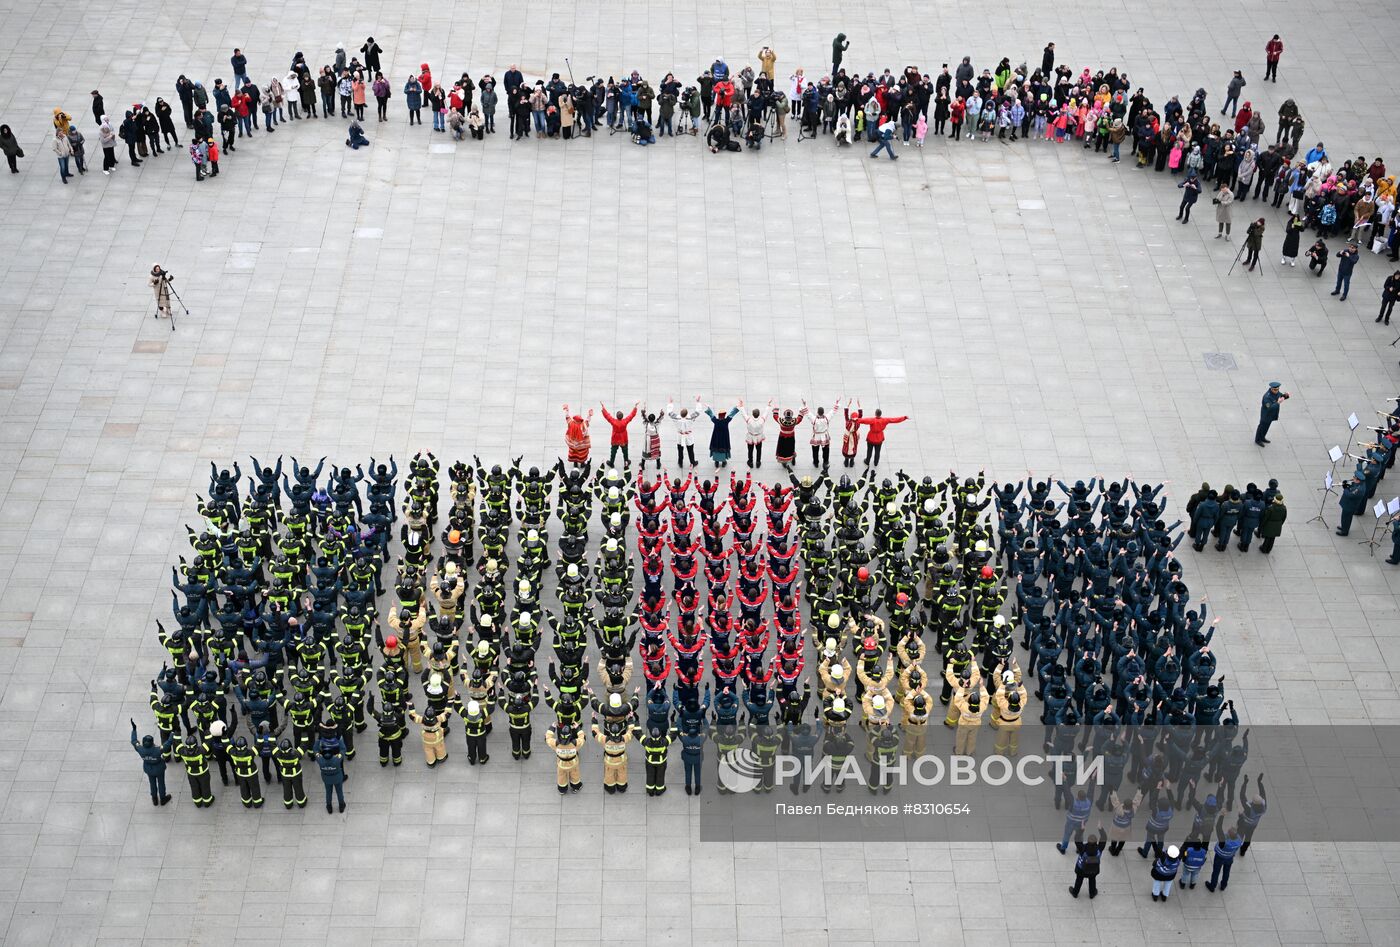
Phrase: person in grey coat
{"type": "Point", "coordinates": [1232, 93]}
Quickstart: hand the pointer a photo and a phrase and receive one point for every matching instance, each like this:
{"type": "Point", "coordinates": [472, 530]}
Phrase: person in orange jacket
{"type": "Point", "coordinates": [213, 158]}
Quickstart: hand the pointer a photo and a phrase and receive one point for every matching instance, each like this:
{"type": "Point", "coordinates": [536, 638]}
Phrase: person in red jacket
{"type": "Point", "coordinates": [1273, 52]}
{"type": "Point", "coordinates": [724, 99]}
{"type": "Point", "coordinates": [876, 438]}
{"type": "Point", "coordinates": [619, 423]}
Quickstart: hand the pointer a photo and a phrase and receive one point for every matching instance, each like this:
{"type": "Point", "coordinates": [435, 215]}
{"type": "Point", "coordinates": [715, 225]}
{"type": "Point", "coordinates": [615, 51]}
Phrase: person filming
{"type": "Point", "coordinates": [160, 285]}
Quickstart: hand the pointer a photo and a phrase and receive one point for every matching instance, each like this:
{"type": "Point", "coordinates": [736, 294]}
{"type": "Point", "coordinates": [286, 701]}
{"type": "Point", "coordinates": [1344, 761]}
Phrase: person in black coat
{"type": "Point", "coordinates": [1047, 59]}
{"type": "Point", "coordinates": [371, 49]}
{"type": "Point", "coordinates": [165, 116]}
{"type": "Point", "coordinates": [184, 88]}
{"type": "Point", "coordinates": [99, 108]}
{"type": "Point", "coordinates": [1086, 863]}
{"type": "Point", "coordinates": [130, 132]}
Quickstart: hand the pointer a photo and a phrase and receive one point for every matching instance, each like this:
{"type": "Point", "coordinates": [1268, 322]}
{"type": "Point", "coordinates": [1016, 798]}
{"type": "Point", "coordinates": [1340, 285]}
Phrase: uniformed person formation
{"type": "Point", "coordinates": [900, 585]}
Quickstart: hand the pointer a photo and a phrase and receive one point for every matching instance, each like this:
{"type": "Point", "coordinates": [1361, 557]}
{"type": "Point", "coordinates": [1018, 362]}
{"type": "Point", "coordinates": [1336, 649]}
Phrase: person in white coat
{"type": "Point", "coordinates": [754, 423]}
{"type": "Point", "coordinates": [684, 420]}
{"type": "Point", "coordinates": [821, 438]}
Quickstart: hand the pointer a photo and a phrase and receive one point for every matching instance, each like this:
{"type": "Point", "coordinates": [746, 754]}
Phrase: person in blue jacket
{"type": "Point", "coordinates": [1164, 868]}
{"type": "Point", "coordinates": [413, 97]}
{"type": "Point", "coordinates": [332, 766]}
{"type": "Point", "coordinates": [153, 763]}
{"type": "Point", "coordinates": [1227, 844]}
{"type": "Point", "coordinates": [1193, 859]}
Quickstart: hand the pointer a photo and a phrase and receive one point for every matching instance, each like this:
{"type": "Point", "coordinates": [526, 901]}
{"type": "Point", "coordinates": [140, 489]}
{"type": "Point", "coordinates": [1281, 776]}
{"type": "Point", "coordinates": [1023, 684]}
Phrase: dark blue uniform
{"type": "Point", "coordinates": [333, 776]}
{"type": "Point", "coordinates": [1352, 502]}
{"type": "Point", "coordinates": [153, 764]}
{"type": "Point", "coordinates": [1268, 413]}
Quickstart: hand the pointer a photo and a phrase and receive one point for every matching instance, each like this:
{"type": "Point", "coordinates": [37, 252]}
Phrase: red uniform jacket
{"type": "Point", "coordinates": [619, 426]}
{"type": "Point", "coordinates": [877, 427]}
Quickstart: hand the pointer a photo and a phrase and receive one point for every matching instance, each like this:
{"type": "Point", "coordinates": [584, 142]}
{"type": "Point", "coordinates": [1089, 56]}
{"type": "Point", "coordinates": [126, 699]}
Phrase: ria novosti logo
{"type": "Point", "coordinates": [741, 772]}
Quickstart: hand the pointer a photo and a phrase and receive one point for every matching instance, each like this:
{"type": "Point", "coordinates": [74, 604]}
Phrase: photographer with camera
{"type": "Point", "coordinates": [718, 139]}
{"type": "Point", "coordinates": [160, 285]}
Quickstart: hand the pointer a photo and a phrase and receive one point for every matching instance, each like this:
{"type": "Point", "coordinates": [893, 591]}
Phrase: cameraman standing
{"type": "Point", "coordinates": [160, 285]}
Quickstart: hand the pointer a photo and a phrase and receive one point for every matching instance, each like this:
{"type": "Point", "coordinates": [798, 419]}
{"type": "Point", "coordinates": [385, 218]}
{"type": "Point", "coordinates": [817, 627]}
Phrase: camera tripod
{"type": "Point", "coordinates": [169, 284]}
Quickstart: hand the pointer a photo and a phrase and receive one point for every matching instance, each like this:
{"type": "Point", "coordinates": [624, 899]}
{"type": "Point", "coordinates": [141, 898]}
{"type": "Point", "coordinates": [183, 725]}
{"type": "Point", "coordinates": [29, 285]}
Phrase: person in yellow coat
{"type": "Point", "coordinates": [613, 736]}
{"type": "Point", "coordinates": [969, 704]}
{"type": "Point", "coordinates": [431, 726]}
{"type": "Point", "coordinates": [918, 708]}
{"type": "Point", "coordinates": [565, 739]}
{"type": "Point", "coordinates": [971, 682]}
{"type": "Point", "coordinates": [410, 630]}
{"type": "Point", "coordinates": [834, 676]}
{"type": "Point", "coordinates": [1008, 703]}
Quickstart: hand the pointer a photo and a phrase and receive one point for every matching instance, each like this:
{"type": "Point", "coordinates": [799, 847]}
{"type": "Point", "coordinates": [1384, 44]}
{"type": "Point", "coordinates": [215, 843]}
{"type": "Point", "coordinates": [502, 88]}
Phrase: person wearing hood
{"type": "Point", "coordinates": [107, 138]}
{"type": "Point", "coordinates": [13, 152]}
{"type": "Point", "coordinates": [489, 98]}
{"type": "Point", "coordinates": [340, 61]}
{"type": "Point", "coordinates": [838, 46]}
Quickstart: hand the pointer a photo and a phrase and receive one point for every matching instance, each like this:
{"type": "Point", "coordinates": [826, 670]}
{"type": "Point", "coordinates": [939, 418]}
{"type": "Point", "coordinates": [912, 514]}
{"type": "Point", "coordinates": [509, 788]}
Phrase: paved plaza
{"type": "Point", "coordinates": [1030, 307]}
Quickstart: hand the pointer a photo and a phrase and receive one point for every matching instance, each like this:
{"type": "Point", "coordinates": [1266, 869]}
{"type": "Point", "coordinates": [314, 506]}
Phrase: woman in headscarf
{"type": "Point", "coordinates": [577, 441]}
{"type": "Point", "coordinates": [8, 144]}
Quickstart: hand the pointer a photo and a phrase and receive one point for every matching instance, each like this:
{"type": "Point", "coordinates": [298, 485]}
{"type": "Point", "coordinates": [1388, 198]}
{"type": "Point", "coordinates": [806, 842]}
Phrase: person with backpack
{"type": "Point", "coordinates": [1086, 863]}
